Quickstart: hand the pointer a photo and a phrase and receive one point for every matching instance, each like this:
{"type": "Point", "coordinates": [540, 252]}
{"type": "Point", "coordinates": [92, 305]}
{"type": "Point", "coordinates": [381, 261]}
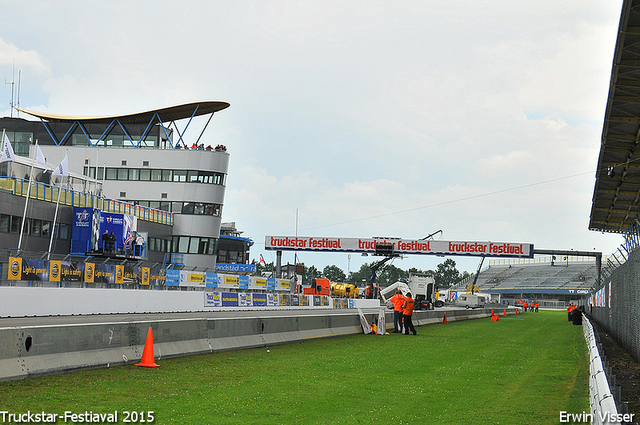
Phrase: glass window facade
{"type": "Point", "coordinates": [160, 245]}
{"type": "Point", "coordinates": [20, 142]}
{"type": "Point", "coordinates": [195, 208]}
{"type": "Point", "coordinates": [232, 251]}
{"type": "Point", "coordinates": [194, 245]}
{"type": "Point", "coordinates": [32, 227]}
{"type": "Point", "coordinates": [147, 174]}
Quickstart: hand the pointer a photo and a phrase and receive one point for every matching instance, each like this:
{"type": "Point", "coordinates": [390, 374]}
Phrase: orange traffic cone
{"type": "Point", "coordinates": [147, 354]}
{"type": "Point", "coordinates": [516, 311]}
{"type": "Point", "coordinates": [445, 318]}
{"type": "Point", "coordinates": [495, 318]}
{"type": "Point", "coordinates": [505, 312]}
{"type": "Point", "coordinates": [491, 313]}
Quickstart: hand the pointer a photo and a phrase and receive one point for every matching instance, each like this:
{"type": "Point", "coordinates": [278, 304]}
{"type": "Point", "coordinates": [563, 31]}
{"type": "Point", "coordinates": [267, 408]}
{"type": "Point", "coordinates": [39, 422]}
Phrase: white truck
{"type": "Point", "coordinates": [421, 286]}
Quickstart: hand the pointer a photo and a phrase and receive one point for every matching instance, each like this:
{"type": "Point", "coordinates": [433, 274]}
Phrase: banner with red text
{"type": "Point", "coordinates": [400, 246]}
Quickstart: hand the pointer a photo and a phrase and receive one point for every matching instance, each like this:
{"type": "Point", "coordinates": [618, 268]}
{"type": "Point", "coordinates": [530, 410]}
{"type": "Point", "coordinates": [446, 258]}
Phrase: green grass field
{"type": "Point", "coordinates": [523, 369]}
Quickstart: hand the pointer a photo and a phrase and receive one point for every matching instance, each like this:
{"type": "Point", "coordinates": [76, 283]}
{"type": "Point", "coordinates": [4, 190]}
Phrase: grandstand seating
{"type": "Point", "coordinates": [537, 276]}
{"type": "Point", "coordinates": [579, 275]}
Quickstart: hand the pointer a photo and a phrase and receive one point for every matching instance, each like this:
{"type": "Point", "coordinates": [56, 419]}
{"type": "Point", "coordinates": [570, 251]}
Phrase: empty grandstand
{"type": "Point", "coordinates": [554, 281]}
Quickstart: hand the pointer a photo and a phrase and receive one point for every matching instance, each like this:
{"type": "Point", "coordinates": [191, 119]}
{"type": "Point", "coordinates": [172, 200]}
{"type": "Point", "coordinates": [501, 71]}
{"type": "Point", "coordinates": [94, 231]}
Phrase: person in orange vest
{"type": "Point", "coordinates": [525, 306]}
{"type": "Point", "coordinates": [537, 306]}
{"type": "Point", "coordinates": [407, 311]}
{"type": "Point", "coordinates": [569, 311]}
{"type": "Point", "coordinates": [397, 300]}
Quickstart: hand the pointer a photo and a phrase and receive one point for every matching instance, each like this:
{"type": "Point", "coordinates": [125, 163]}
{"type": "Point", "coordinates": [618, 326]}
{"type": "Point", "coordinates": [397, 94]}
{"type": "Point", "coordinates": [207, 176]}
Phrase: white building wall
{"type": "Point", "coordinates": [177, 159]}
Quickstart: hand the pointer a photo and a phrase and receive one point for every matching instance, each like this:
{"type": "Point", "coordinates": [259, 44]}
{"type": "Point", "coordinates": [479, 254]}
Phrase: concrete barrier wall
{"type": "Point", "coordinates": [105, 341]}
{"type": "Point", "coordinates": [39, 301]}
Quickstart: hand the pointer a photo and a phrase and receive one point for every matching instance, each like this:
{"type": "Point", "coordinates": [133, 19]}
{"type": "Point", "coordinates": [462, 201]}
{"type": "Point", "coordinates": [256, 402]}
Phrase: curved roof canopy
{"type": "Point", "coordinates": [171, 113]}
{"type": "Point", "coordinates": [149, 118]}
{"type": "Point", "coordinates": [616, 196]}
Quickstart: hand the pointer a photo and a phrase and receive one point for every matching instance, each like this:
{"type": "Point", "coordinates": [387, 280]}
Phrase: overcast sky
{"type": "Point", "coordinates": [363, 118]}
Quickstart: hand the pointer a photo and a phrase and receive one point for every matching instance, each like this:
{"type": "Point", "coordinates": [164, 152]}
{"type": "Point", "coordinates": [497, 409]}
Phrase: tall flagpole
{"type": "Point", "coordinates": [26, 202]}
{"type": "Point", "coordinates": [55, 216]}
{"type": "Point", "coordinates": [53, 226]}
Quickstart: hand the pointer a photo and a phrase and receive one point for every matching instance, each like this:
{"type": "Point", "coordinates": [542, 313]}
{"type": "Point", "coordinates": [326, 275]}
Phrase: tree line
{"type": "Point", "coordinates": [445, 275]}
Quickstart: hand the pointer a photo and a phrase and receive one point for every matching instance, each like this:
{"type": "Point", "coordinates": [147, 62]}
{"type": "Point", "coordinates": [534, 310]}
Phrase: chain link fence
{"type": "Point", "coordinates": [616, 308]}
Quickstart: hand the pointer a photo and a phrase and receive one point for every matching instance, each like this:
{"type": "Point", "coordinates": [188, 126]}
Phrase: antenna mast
{"type": "Point", "coordinates": [13, 90]}
{"type": "Point", "coordinates": [18, 95]}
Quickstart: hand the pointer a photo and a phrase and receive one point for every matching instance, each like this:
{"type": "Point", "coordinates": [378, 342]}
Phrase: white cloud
{"type": "Point", "coordinates": [27, 60]}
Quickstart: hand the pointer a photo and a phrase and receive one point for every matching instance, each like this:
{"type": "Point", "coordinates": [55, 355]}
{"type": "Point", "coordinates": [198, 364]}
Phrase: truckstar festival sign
{"type": "Point", "coordinates": [400, 246]}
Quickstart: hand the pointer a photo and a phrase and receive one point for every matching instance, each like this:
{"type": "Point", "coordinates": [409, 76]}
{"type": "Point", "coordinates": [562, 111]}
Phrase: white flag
{"type": "Point", "coordinates": [40, 157]}
{"type": "Point", "coordinates": [7, 151]}
{"type": "Point", "coordinates": [62, 169]}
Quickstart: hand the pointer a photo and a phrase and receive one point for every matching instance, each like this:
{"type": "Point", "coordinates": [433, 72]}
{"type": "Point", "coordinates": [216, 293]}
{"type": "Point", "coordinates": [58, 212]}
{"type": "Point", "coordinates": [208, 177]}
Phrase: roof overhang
{"type": "Point", "coordinates": [616, 196]}
{"type": "Point", "coordinates": [171, 113]}
{"type": "Point", "coordinates": [157, 116]}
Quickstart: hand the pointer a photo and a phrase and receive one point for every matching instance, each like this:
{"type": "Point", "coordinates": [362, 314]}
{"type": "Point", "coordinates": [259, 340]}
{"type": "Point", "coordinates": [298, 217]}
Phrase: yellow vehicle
{"type": "Point", "coordinates": [344, 290]}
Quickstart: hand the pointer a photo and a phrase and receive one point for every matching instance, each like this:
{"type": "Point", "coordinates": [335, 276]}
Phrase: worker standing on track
{"type": "Point", "coordinates": [397, 300]}
{"type": "Point", "coordinates": [525, 306]}
{"type": "Point", "coordinates": [407, 311]}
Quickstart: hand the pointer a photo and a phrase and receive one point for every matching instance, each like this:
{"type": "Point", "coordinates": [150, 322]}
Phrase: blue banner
{"type": "Point", "coordinates": [120, 225]}
{"type": "Point", "coordinates": [211, 280]}
{"type": "Point", "coordinates": [81, 230]}
{"type": "Point", "coordinates": [260, 300]}
{"type": "Point", "coordinates": [243, 282]}
{"type": "Point", "coordinates": [271, 283]}
{"type": "Point", "coordinates": [173, 277]}
{"type": "Point", "coordinates": [237, 268]}
{"type": "Point", "coordinates": [230, 299]}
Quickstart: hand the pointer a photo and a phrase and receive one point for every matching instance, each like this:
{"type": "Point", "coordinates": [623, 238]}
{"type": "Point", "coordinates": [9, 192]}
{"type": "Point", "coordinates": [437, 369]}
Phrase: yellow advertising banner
{"type": "Point", "coordinates": [55, 267]}
{"type": "Point", "coordinates": [89, 272]}
{"type": "Point", "coordinates": [146, 272]}
{"type": "Point", "coordinates": [119, 274]}
{"type": "Point", "coordinates": [260, 282]}
{"type": "Point", "coordinates": [196, 278]}
{"type": "Point", "coordinates": [231, 280]}
{"type": "Point", "coordinates": [15, 268]}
